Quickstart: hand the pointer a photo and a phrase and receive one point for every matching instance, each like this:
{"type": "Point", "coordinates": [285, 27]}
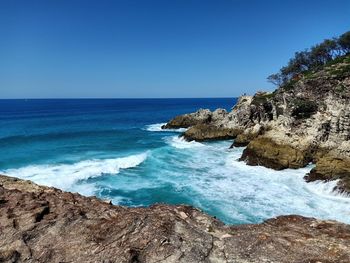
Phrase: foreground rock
{"type": "Point", "coordinates": [306, 120]}
{"type": "Point", "coordinates": [41, 224]}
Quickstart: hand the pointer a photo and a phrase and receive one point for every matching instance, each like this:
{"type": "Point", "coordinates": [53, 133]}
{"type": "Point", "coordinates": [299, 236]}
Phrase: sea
{"type": "Point", "coordinates": [115, 149]}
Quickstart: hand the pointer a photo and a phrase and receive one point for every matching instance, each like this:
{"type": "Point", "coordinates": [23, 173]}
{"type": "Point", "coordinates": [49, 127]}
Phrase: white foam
{"type": "Point", "coordinates": [66, 176]}
{"type": "Point", "coordinates": [157, 127]}
{"type": "Point", "coordinates": [181, 143]}
{"type": "Point", "coordinates": [326, 189]}
{"type": "Point", "coordinates": [209, 175]}
{"type": "Point", "coordinates": [236, 192]}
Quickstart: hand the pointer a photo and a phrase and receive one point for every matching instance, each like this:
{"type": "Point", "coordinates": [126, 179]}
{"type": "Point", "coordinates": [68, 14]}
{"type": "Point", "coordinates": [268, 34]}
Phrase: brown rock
{"type": "Point", "coordinates": [41, 224]}
{"type": "Point", "coordinates": [205, 132]}
{"type": "Point", "coordinates": [332, 167]}
{"type": "Point", "coordinates": [248, 135]}
{"type": "Point", "coordinates": [242, 140]}
{"type": "Point", "coordinates": [264, 151]}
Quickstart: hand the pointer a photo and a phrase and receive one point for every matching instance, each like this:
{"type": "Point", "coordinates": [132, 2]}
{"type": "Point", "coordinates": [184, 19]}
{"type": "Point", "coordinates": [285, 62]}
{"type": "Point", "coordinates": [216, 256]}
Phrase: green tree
{"type": "Point", "coordinates": [344, 42]}
{"type": "Point", "coordinates": [311, 59]}
{"type": "Point", "coordinates": [275, 79]}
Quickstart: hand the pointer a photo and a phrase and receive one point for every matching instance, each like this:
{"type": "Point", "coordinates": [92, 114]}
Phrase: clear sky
{"type": "Point", "coordinates": [147, 48]}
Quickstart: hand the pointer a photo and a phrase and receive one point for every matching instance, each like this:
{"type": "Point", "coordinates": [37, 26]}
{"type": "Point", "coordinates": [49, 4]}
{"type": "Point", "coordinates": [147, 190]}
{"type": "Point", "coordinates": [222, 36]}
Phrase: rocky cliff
{"type": "Point", "coordinates": [42, 224]}
{"type": "Point", "coordinates": [305, 120]}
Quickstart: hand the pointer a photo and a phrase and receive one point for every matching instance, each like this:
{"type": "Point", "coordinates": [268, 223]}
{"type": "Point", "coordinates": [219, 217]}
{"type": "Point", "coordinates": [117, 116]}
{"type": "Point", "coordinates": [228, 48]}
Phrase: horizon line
{"type": "Point", "coordinates": [121, 98]}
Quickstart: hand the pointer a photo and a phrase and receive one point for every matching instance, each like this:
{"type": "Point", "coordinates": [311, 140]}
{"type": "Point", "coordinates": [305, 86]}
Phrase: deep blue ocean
{"type": "Point", "coordinates": [115, 149]}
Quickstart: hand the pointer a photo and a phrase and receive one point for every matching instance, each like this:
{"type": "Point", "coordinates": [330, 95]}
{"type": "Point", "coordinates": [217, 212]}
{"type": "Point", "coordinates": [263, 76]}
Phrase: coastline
{"type": "Point", "coordinates": [208, 177]}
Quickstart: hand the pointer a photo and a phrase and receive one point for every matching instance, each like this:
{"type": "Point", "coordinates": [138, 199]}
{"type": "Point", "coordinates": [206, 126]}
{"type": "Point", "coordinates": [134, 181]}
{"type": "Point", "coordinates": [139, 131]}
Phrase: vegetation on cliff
{"type": "Point", "coordinates": [304, 108]}
{"type": "Point", "coordinates": [312, 59]}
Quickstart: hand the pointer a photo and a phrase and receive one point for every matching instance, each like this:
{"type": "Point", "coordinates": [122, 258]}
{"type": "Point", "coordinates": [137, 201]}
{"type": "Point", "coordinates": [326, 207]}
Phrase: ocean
{"type": "Point", "coordinates": [116, 150]}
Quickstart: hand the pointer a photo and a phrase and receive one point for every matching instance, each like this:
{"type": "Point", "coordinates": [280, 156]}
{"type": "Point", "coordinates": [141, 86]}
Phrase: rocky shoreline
{"type": "Point", "coordinates": [43, 224]}
{"type": "Point", "coordinates": [305, 121]}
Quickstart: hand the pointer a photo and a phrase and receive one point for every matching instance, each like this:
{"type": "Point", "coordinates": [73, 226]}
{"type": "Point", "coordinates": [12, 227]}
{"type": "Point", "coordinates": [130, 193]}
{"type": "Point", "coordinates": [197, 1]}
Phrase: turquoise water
{"type": "Point", "coordinates": [116, 150]}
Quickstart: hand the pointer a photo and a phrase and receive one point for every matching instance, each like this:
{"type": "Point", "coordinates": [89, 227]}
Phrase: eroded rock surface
{"type": "Point", "coordinates": [42, 224]}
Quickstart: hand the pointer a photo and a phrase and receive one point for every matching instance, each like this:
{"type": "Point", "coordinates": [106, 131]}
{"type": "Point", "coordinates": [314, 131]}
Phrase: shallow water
{"type": "Point", "coordinates": [116, 150]}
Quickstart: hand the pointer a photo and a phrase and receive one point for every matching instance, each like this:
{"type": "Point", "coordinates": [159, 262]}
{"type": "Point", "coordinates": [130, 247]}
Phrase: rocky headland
{"type": "Point", "coordinates": [306, 120]}
{"type": "Point", "coordinates": [43, 224]}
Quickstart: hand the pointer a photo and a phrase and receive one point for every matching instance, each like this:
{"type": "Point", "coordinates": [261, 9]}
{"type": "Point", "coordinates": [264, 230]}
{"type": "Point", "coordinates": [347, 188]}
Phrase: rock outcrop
{"type": "Point", "coordinates": [333, 165]}
{"type": "Point", "coordinates": [204, 125]}
{"type": "Point", "coordinates": [267, 152]}
{"type": "Point", "coordinates": [306, 120]}
{"type": "Point", "coordinates": [206, 132]}
{"type": "Point", "coordinates": [187, 120]}
{"type": "Point", "coordinates": [42, 224]}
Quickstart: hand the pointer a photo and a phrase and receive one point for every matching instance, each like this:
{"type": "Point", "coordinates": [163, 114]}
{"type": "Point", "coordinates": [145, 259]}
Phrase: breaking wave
{"type": "Point", "coordinates": [66, 176]}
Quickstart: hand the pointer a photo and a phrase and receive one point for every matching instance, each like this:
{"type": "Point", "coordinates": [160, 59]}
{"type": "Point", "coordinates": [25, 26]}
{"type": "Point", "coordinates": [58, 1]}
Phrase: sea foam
{"type": "Point", "coordinates": [66, 176]}
{"type": "Point", "coordinates": [206, 175]}
{"type": "Point", "coordinates": [217, 182]}
{"type": "Point", "coordinates": [180, 143]}
{"type": "Point", "coordinates": [157, 127]}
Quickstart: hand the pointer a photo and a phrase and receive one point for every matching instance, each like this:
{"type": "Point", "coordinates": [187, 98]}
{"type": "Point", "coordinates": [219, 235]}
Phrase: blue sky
{"type": "Point", "coordinates": [164, 48]}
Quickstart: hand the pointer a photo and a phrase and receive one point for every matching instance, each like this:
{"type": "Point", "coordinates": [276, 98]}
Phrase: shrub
{"type": "Point", "coordinates": [303, 108]}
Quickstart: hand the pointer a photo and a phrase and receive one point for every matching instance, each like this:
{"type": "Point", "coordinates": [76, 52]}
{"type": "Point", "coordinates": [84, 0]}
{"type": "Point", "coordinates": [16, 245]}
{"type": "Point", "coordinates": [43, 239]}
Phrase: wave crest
{"type": "Point", "coordinates": [64, 176]}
